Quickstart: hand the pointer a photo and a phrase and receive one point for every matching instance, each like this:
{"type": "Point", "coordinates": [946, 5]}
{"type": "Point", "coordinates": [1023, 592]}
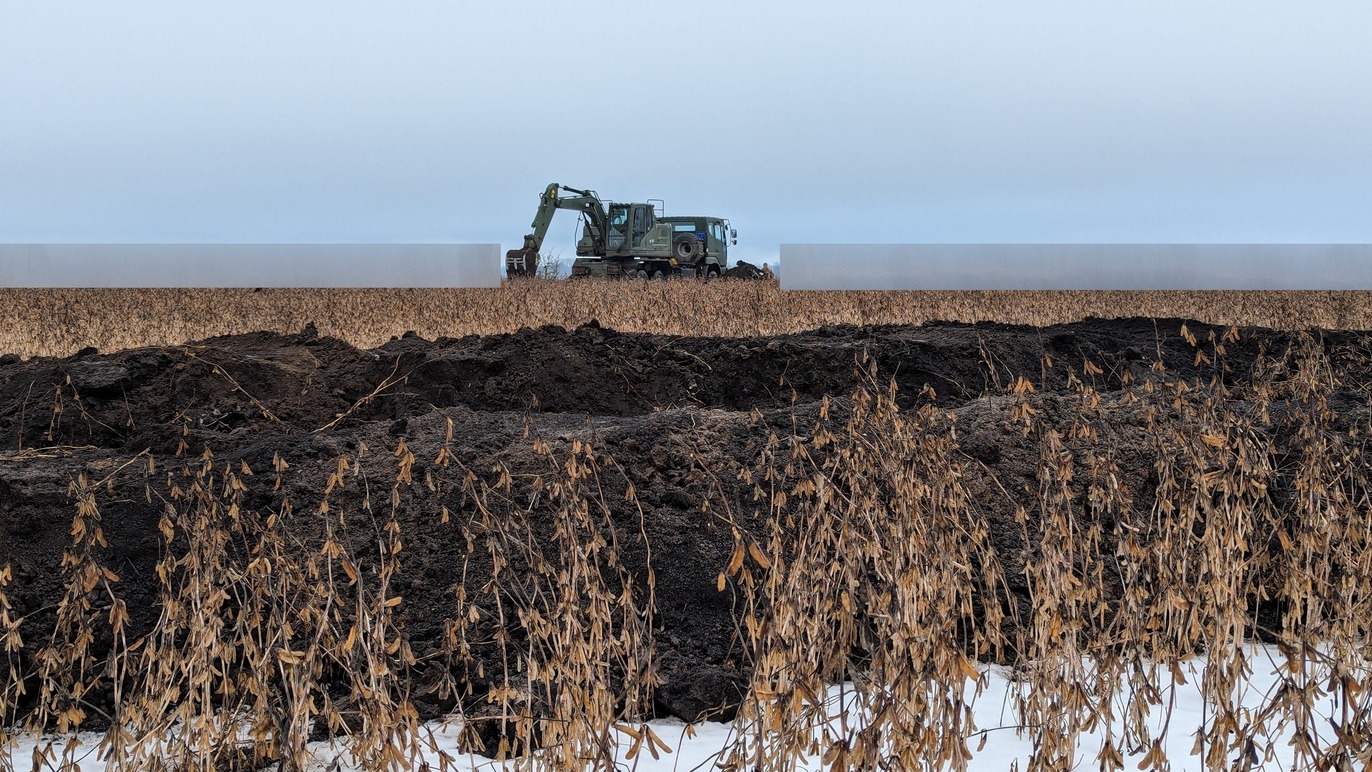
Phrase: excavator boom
{"type": "Point", "coordinates": [524, 261]}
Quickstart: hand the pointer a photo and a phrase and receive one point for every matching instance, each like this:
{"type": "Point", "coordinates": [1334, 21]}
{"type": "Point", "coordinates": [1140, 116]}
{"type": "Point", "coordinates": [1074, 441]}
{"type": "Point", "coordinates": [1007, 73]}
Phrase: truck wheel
{"type": "Point", "coordinates": [642, 274]}
{"type": "Point", "coordinates": [658, 274]}
{"type": "Point", "coordinates": [711, 272]}
{"type": "Point", "coordinates": [686, 249]}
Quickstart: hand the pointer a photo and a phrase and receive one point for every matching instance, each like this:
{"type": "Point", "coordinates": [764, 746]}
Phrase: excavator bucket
{"type": "Point", "coordinates": [521, 262]}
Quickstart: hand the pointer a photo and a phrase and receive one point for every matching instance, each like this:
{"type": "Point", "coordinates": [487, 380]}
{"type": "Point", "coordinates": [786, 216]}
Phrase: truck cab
{"type": "Point", "coordinates": [709, 256]}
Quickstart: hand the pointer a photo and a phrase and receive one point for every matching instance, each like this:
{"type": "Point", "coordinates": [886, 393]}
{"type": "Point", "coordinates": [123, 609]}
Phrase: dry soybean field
{"type": "Point", "coordinates": [235, 524]}
{"type": "Point", "coordinates": [61, 322]}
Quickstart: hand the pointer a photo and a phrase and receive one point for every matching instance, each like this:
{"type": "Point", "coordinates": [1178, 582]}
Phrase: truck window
{"type": "Point", "coordinates": [684, 227]}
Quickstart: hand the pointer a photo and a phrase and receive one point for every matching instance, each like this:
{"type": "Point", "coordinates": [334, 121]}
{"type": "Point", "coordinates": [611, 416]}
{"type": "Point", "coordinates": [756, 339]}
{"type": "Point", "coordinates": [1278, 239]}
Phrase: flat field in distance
{"type": "Point", "coordinates": [60, 322]}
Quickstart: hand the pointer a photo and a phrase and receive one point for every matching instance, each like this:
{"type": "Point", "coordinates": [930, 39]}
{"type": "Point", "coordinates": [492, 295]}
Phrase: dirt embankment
{"type": "Point", "coordinates": [676, 419]}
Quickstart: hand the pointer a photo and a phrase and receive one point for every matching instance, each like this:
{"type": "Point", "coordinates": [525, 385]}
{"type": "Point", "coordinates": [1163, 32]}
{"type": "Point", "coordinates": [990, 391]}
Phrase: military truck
{"type": "Point", "coordinates": [623, 240]}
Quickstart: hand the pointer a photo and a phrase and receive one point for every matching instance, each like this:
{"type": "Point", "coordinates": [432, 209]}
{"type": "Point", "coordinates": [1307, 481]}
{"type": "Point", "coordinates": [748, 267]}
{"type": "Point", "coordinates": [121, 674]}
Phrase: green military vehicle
{"type": "Point", "coordinates": [624, 240]}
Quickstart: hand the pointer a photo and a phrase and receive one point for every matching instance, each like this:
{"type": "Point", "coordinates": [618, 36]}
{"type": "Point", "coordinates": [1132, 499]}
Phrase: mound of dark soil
{"type": "Point", "coordinates": [679, 416]}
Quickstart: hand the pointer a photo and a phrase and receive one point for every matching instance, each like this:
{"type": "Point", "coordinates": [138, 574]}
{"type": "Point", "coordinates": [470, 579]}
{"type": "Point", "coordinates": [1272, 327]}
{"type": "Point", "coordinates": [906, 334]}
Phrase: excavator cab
{"type": "Point", "coordinates": [629, 226]}
{"type": "Point", "coordinates": [642, 223]}
{"type": "Point", "coordinates": [619, 228]}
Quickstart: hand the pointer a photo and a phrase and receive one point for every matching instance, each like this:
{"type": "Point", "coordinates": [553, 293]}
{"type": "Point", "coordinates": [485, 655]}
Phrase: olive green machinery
{"type": "Point", "coordinates": [620, 240]}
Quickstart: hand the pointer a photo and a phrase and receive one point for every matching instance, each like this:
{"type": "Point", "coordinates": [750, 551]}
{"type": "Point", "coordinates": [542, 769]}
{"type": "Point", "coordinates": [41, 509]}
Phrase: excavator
{"type": "Point", "coordinates": [626, 240]}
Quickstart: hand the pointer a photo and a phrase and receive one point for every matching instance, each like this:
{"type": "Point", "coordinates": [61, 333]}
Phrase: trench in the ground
{"type": "Point", "coordinates": [675, 414]}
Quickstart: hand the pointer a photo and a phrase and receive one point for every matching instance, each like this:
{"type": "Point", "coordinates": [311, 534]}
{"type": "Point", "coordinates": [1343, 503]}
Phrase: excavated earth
{"type": "Point", "coordinates": [679, 416]}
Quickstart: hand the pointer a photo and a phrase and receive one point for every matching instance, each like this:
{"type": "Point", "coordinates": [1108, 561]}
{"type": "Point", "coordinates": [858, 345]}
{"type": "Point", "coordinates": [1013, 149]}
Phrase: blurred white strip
{"type": "Point", "coordinates": [250, 265]}
{"type": "Point", "coordinates": [1076, 266]}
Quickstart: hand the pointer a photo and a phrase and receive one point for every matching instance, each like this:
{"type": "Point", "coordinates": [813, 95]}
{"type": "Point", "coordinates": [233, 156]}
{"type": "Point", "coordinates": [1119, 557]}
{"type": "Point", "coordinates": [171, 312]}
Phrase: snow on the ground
{"type": "Point", "coordinates": [1004, 748]}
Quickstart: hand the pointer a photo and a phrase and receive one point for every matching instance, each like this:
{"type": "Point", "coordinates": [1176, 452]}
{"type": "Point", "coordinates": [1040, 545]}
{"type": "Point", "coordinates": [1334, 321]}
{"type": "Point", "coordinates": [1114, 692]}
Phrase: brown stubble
{"type": "Point", "coordinates": [59, 322]}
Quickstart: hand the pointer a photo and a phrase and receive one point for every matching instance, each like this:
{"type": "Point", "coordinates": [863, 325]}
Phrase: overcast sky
{"type": "Point", "coordinates": [1074, 121]}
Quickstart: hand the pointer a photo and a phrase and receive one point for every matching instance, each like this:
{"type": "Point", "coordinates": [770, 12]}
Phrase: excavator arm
{"type": "Point", "coordinates": [524, 261]}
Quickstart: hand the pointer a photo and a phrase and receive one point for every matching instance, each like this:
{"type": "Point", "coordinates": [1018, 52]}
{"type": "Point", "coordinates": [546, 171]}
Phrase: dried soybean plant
{"type": "Point", "coordinates": [1236, 525]}
{"type": "Point", "coordinates": [186, 709]}
{"type": "Point", "coordinates": [877, 568]}
{"type": "Point", "coordinates": [11, 670]}
{"type": "Point", "coordinates": [374, 655]}
{"type": "Point", "coordinates": [256, 619]}
{"type": "Point", "coordinates": [1187, 568]}
{"type": "Point", "coordinates": [1258, 511]}
{"type": "Point", "coordinates": [1065, 578]}
{"type": "Point", "coordinates": [1323, 553]}
{"type": "Point", "coordinates": [590, 635]}
{"type": "Point", "coordinates": [67, 667]}
{"type": "Point", "coordinates": [569, 618]}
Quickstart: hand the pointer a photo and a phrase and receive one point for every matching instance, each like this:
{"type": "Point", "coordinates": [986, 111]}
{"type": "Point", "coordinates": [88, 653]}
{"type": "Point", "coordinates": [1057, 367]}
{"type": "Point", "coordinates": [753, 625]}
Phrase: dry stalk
{"type": "Point", "coordinates": [11, 670]}
{"type": "Point", "coordinates": [386, 383]}
{"type": "Point", "coordinates": [218, 370]}
{"type": "Point", "coordinates": [885, 576]}
{"type": "Point", "coordinates": [67, 669]}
